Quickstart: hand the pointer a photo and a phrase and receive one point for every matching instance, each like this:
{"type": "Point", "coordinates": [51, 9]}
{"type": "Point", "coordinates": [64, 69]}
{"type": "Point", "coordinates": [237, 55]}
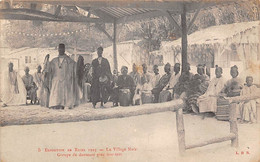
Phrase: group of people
{"type": "Point", "coordinates": [66, 83]}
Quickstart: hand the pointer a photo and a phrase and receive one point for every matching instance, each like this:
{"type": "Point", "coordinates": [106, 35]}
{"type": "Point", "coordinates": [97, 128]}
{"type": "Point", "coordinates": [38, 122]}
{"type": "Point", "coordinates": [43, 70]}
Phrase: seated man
{"type": "Point", "coordinates": [156, 77]}
{"type": "Point", "coordinates": [30, 86]}
{"type": "Point", "coordinates": [13, 91]}
{"type": "Point", "coordinates": [167, 93]}
{"type": "Point", "coordinates": [198, 86]}
{"type": "Point", "coordinates": [146, 86]}
{"type": "Point", "coordinates": [208, 101]}
{"type": "Point", "coordinates": [162, 82]}
{"type": "Point", "coordinates": [248, 109]}
{"type": "Point", "coordinates": [137, 80]}
{"type": "Point", "coordinates": [125, 88]}
{"type": "Point", "coordinates": [145, 78]}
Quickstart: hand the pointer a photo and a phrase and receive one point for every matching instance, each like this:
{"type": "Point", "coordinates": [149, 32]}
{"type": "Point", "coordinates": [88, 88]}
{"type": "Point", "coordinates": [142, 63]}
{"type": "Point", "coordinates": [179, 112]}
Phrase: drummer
{"type": "Point", "coordinates": [124, 81]}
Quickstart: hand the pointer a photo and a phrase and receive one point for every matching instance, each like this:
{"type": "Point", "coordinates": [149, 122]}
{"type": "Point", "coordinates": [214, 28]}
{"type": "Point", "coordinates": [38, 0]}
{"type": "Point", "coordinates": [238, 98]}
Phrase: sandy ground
{"type": "Point", "coordinates": [153, 136]}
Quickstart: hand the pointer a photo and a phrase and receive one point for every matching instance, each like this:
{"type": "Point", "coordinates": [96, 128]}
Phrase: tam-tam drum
{"type": "Point", "coordinates": [86, 92]}
{"type": "Point", "coordinates": [147, 97]}
{"type": "Point", "coordinates": [222, 109]}
{"type": "Point", "coordinates": [124, 97]}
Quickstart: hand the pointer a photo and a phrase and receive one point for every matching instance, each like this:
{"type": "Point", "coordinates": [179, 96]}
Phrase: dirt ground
{"type": "Point", "coordinates": [145, 138]}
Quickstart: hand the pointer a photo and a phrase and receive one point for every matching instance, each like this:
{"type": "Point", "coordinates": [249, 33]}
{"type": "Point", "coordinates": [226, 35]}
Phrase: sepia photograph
{"type": "Point", "coordinates": [130, 80]}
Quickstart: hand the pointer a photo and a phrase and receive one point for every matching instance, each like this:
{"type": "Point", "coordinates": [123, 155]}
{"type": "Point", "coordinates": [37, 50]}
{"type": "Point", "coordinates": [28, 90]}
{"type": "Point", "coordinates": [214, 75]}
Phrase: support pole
{"type": "Point", "coordinates": [114, 47]}
{"type": "Point", "coordinates": [184, 41]}
{"type": "Point", "coordinates": [233, 124]}
{"type": "Point", "coordinates": [180, 131]}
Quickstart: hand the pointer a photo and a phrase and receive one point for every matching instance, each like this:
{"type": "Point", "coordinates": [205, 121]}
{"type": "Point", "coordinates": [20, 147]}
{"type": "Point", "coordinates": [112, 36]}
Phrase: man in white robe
{"type": "Point", "coordinates": [64, 90]}
{"type": "Point", "coordinates": [13, 91]}
{"type": "Point", "coordinates": [208, 101]}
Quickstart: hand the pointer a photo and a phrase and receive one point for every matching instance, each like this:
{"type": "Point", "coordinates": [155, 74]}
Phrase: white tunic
{"type": "Point", "coordinates": [208, 101]}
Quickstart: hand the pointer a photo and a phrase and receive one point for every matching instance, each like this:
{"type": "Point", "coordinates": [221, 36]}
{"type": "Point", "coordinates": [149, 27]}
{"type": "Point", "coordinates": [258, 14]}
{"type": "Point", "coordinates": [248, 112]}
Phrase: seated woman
{"type": "Point", "coordinates": [198, 86]}
{"type": "Point", "coordinates": [231, 88]}
{"type": "Point", "coordinates": [125, 88]}
{"type": "Point", "coordinates": [167, 92]}
{"type": "Point", "coordinates": [162, 82]}
{"type": "Point", "coordinates": [248, 108]}
{"type": "Point", "coordinates": [208, 101]}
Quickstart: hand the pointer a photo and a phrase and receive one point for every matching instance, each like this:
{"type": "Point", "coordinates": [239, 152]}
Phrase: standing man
{"type": "Point", "coordinates": [100, 87]}
{"type": "Point", "coordinates": [38, 78]}
{"type": "Point", "coordinates": [63, 81]}
{"type": "Point", "coordinates": [13, 91]}
{"type": "Point", "coordinates": [30, 86]}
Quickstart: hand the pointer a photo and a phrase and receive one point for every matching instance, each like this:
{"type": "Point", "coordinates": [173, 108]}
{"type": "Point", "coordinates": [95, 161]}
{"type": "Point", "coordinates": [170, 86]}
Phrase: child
{"type": "Point", "coordinates": [248, 109]}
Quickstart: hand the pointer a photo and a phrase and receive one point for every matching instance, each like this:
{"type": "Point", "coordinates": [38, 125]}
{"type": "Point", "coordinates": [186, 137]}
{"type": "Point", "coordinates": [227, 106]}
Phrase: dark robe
{"type": "Point", "coordinates": [159, 87]}
{"type": "Point", "coordinates": [124, 82]}
{"type": "Point", "coordinates": [197, 87]}
{"type": "Point", "coordinates": [100, 91]}
{"type": "Point", "coordinates": [183, 84]}
{"type": "Point", "coordinates": [80, 72]}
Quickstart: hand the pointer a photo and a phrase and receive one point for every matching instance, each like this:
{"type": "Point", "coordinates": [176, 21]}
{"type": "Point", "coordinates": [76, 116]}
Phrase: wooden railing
{"type": "Point", "coordinates": [233, 135]}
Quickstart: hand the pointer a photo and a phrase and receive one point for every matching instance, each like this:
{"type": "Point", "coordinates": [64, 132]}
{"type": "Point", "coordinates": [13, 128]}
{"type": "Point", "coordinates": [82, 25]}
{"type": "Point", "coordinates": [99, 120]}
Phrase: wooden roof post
{"type": "Point", "coordinates": [184, 42]}
{"type": "Point", "coordinates": [114, 46]}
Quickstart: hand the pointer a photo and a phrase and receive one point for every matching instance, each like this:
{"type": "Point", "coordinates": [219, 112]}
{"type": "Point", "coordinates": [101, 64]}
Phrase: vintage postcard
{"type": "Point", "coordinates": [130, 81]}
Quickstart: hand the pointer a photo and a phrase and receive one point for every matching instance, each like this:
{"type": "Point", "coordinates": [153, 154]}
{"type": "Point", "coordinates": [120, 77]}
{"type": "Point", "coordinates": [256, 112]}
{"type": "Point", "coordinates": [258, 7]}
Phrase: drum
{"type": "Point", "coordinates": [86, 92]}
{"type": "Point", "coordinates": [147, 97]}
{"type": "Point", "coordinates": [222, 109]}
{"type": "Point", "coordinates": [165, 96]}
{"type": "Point", "coordinates": [124, 97]}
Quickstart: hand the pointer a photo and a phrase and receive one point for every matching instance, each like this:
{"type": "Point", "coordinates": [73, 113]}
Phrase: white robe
{"type": "Point", "coordinates": [13, 91]}
{"type": "Point", "coordinates": [38, 80]}
{"type": "Point", "coordinates": [155, 80]}
{"type": "Point", "coordinates": [64, 87]}
{"type": "Point", "coordinates": [208, 101]}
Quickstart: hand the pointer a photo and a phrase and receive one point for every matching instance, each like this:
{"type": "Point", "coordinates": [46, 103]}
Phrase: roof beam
{"type": "Point", "coordinates": [57, 11]}
{"type": "Point", "coordinates": [193, 19]}
{"type": "Point", "coordinates": [176, 5]}
{"type": "Point", "coordinates": [99, 27]}
{"type": "Point", "coordinates": [19, 16]}
{"type": "Point", "coordinates": [101, 14]}
{"type": "Point", "coordinates": [172, 21]}
{"type": "Point", "coordinates": [27, 11]}
{"type": "Point", "coordinates": [142, 16]}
